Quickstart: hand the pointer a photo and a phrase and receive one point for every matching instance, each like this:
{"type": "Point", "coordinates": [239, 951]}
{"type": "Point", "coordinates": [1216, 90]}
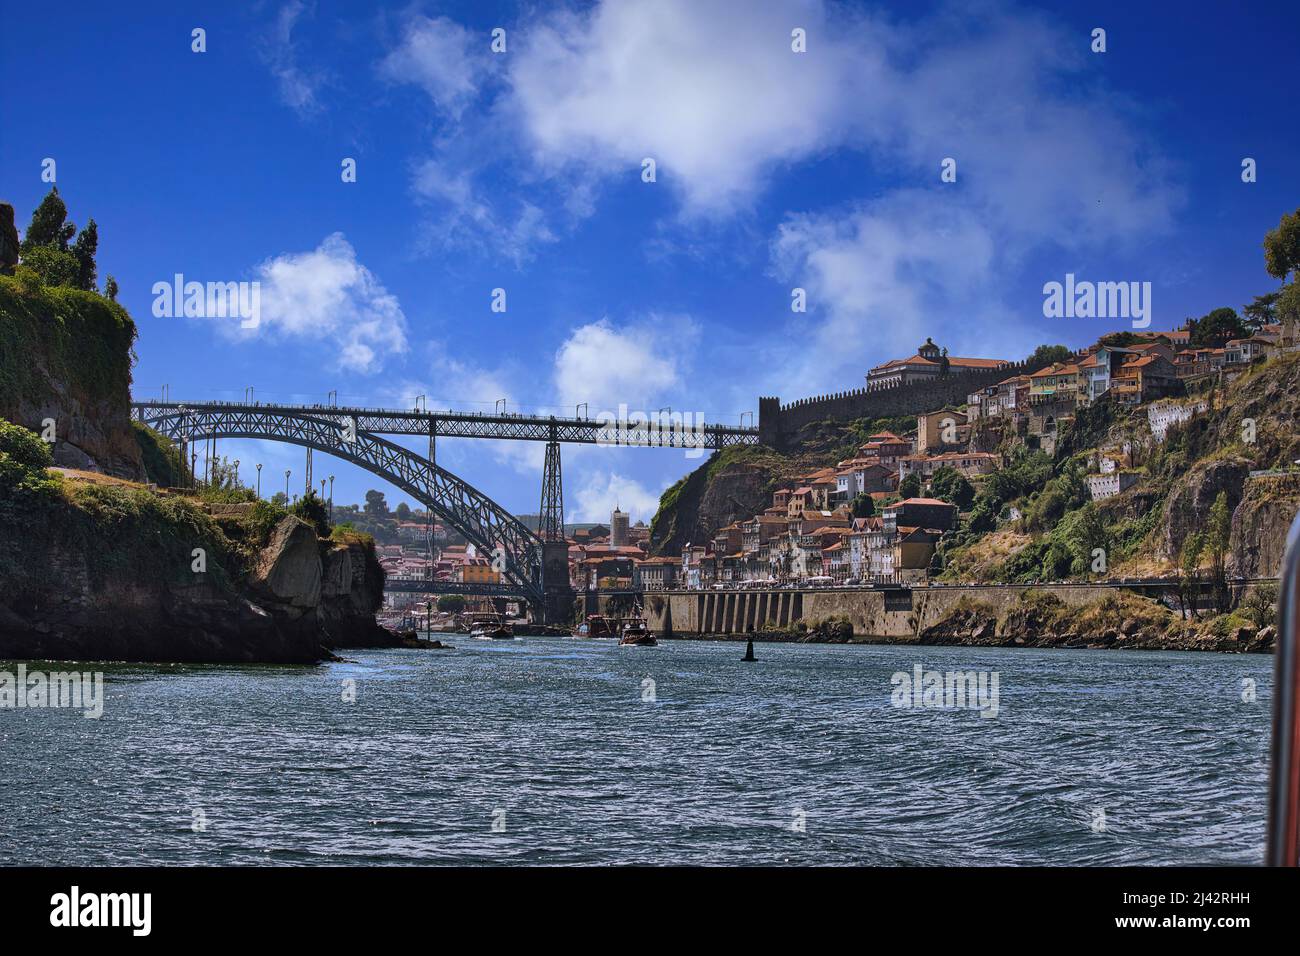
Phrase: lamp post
{"type": "Point", "coordinates": [259, 479]}
{"type": "Point", "coordinates": [331, 498]}
{"type": "Point", "coordinates": [236, 472]}
{"type": "Point", "coordinates": [286, 487]}
{"type": "Point", "coordinates": [428, 620]}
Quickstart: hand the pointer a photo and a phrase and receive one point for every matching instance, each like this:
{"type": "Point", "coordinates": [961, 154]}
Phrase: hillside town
{"type": "Point", "coordinates": [878, 516]}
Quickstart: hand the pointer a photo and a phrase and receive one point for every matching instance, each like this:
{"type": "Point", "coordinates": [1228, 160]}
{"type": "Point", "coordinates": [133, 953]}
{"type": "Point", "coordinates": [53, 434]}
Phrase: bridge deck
{"type": "Point", "coordinates": [638, 430]}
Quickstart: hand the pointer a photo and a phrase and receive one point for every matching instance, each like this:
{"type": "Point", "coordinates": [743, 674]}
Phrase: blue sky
{"type": "Point", "coordinates": [522, 170]}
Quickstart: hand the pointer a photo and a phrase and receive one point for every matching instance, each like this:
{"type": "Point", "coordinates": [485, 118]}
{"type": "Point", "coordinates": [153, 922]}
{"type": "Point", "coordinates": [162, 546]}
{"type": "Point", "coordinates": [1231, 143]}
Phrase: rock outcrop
{"type": "Point", "coordinates": [1260, 525]}
{"type": "Point", "coordinates": [1190, 500]}
{"type": "Point", "coordinates": [302, 597]}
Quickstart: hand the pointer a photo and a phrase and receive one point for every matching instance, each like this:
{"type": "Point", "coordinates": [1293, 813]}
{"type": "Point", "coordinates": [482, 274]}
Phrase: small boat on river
{"type": "Point", "coordinates": [491, 627]}
{"type": "Point", "coordinates": [636, 633]}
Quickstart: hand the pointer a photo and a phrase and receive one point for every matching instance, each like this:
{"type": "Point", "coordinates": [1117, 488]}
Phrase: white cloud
{"type": "Point", "coordinates": [467, 219]}
{"type": "Point", "coordinates": [642, 362]}
{"type": "Point", "coordinates": [442, 58]}
{"type": "Point", "coordinates": [298, 86]}
{"type": "Point", "coordinates": [327, 295]}
{"type": "Point", "coordinates": [601, 491]}
{"type": "Point", "coordinates": [711, 91]}
{"type": "Point", "coordinates": [879, 278]}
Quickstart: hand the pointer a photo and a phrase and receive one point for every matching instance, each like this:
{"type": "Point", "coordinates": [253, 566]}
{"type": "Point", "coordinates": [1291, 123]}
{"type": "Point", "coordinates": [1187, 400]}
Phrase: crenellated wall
{"type": "Point", "coordinates": [778, 423]}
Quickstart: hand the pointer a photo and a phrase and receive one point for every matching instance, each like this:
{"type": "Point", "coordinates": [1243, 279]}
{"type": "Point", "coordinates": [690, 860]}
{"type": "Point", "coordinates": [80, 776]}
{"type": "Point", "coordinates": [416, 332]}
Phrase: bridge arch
{"type": "Point", "coordinates": [477, 517]}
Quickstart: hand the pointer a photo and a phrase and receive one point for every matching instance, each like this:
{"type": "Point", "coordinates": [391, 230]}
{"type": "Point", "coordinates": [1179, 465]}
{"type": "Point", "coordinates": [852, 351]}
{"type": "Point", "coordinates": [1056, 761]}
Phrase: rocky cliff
{"type": "Point", "coordinates": [1260, 524]}
{"type": "Point", "coordinates": [302, 597]}
{"type": "Point", "coordinates": [732, 485]}
{"type": "Point", "coordinates": [104, 569]}
{"type": "Point", "coordinates": [65, 362]}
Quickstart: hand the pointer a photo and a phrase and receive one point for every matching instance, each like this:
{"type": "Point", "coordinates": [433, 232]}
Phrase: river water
{"type": "Point", "coordinates": [561, 751]}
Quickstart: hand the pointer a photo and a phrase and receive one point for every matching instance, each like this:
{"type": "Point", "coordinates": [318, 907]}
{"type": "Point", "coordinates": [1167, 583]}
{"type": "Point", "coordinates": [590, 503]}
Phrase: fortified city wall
{"type": "Point", "coordinates": [778, 424]}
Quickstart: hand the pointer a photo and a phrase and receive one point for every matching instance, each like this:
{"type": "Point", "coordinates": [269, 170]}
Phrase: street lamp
{"type": "Point", "coordinates": [236, 472]}
{"type": "Point", "coordinates": [428, 620]}
{"type": "Point", "coordinates": [286, 486]}
{"type": "Point", "coordinates": [331, 497]}
{"type": "Point", "coordinates": [259, 479]}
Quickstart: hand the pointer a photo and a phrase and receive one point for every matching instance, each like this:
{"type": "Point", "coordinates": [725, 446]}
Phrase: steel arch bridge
{"type": "Point", "coordinates": [478, 518]}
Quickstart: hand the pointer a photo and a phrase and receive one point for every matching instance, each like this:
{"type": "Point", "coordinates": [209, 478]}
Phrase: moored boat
{"type": "Point", "coordinates": [597, 625]}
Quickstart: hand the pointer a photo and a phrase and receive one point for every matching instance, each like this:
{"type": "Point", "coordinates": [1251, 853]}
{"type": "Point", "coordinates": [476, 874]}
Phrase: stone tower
{"type": "Point", "coordinates": [618, 525]}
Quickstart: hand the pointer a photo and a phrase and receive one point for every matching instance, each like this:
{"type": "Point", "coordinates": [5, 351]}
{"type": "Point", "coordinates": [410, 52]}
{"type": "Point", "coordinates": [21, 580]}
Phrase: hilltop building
{"type": "Point", "coordinates": [929, 362]}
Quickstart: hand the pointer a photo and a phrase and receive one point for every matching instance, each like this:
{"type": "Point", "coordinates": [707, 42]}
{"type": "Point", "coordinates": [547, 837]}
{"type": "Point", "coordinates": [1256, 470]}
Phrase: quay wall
{"type": "Point", "coordinates": [897, 613]}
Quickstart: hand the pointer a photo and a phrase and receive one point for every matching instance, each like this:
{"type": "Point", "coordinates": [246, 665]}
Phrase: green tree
{"type": "Point", "coordinates": [403, 511]}
{"type": "Point", "coordinates": [49, 227]}
{"type": "Point", "coordinates": [110, 289]}
{"type": "Point", "coordinates": [376, 506]}
{"type": "Point", "coordinates": [1261, 312]}
{"type": "Point", "coordinates": [280, 500]}
{"type": "Point", "coordinates": [1218, 532]}
{"type": "Point", "coordinates": [951, 486]}
{"type": "Point", "coordinates": [864, 506]}
{"type": "Point", "coordinates": [910, 487]}
{"type": "Point", "coordinates": [1189, 582]}
{"type": "Point", "coordinates": [1282, 259]}
{"type": "Point", "coordinates": [1282, 247]}
{"type": "Point", "coordinates": [83, 250]}
{"type": "Point", "coordinates": [1260, 604]}
{"type": "Point", "coordinates": [1048, 354]}
{"type": "Point", "coordinates": [45, 246]}
{"type": "Point", "coordinates": [451, 603]}
{"type": "Point", "coordinates": [311, 509]}
{"type": "Point", "coordinates": [1216, 329]}
{"type": "Point", "coordinates": [53, 266]}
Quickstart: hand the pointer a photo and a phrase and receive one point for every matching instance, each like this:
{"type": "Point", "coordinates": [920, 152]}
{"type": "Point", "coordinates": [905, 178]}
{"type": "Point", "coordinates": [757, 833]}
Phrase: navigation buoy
{"type": "Point", "coordinates": [749, 651]}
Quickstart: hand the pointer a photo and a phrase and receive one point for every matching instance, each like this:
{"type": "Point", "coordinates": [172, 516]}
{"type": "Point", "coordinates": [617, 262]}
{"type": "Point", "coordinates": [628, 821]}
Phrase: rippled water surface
{"type": "Point", "coordinates": [553, 740]}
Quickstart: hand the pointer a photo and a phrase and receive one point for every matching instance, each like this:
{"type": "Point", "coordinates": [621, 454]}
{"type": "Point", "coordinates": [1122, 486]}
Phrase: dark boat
{"type": "Point", "coordinates": [636, 633]}
{"type": "Point", "coordinates": [491, 626]}
{"type": "Point", "coordinates": [597, 625]}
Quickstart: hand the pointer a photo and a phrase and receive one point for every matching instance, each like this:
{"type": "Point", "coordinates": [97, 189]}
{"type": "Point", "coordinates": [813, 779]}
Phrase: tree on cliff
{"type": "Point", "coordinates": [45, 251]}
{"type": "Point", "coordinates": [1218, 532]}
{"type": "Point", "coordinates": [1282, 259]}
{"type": "Point", "coordinates": [1261, 312]}
{"type": "Point", "coordinates": [312, 510]}
{"type": "Point", "coordinates": [9, 244]}
{"type": "Point", "coordinates": [1215, 329]}
{"type": "Point", "coordinates": [403, 511]}
{"type": "Point", "coordinates": [910, 487]}
{"type": "Point", "coordinates": [1189, 580]}
{"type": "Point", "coordinates": [951, 486]}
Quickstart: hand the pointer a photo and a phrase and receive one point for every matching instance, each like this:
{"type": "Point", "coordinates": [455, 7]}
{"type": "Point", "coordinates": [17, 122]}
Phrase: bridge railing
{"type": "Point", "coordinates": [634, 430]}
